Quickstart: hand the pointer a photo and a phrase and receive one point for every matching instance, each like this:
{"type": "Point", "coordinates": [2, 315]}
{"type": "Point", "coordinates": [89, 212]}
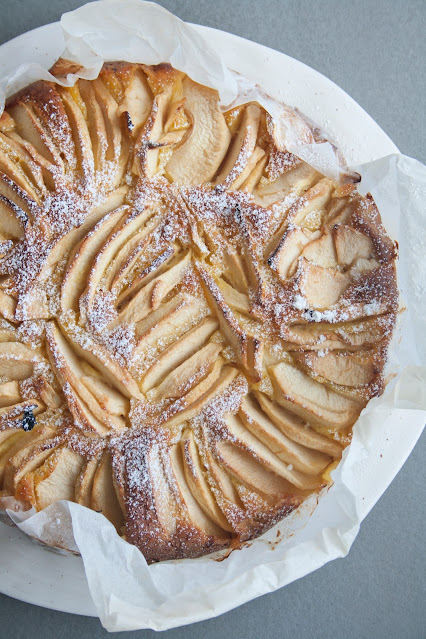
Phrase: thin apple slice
{"type": "Point", "coordinates": [321, 287]}
{"type": "Point", "coordinates": [351, 245]}
{"type": "Point", "coordinates": [56, 479]}
{"type": "Point", "coordinates": [104, 498]}
{"type": "Point", "coordinates": [308, 211]}
{"type": "Point", "coordinates": [241, 148]}
{"type": "Point", "coordinates": [151, 295]}
{"type": "Point", "coordinates": [84, 482]}
{"type": "Point", "coordinates": [345, 369]}
{"type": "Point", "coordinates": [178, 352]}
{"type": "Point", "coordinates": [250, 176]}
{"type": "Point", "coordinates": [137, 101]}
{"type": "Point", "coordinates": [79, 265]}
{"type": "Point", "coordinates": [108, 398]}
{"type": "Point", "coordinates": [16, 360]}
{"type": "Point", "coordinates": [200, 396]}
{"type": "Point", "coordinates": [238, 301]}
{"type": "Point", "coordinates": [239, 434]}
{"type": "Point", "coordinates": [20, 439]}
{"type": "Point", "coordinates": [289, 186]}
{"type": "Point", "coordinates": [201, 154]}
{"type": "Point", "coordinates": [189, 373]}
{"type": "Point", "coordinates": [197, 482]}
{"type": "Point", "coordinates": [311, 400]}
{"type": "Point", "coordinates": [148, 144]}
{"type": "Point", "coordinates": [104, 256]}
{"type": "Point", "coordinates": [25, 460]}
{"type": "Point", "coordinates": [95, 122]}
{"type": "Point", "coordinates": [69, 370]}
{"type": "Point", "coordinates": [302, 458]}
{"type": "Point", "coordinates": [11, 223]}
{"type": "Point", "coordinates": [235, 270]}
{"type": "Point", "coordinates": [248, 470]}
{"type": "Point", "coordinates": [222, 479]}
{"type": "Point", "coordinates": [247, 348]}
{"type": "Point", "coordinates": [196, 515]}
{"type": "Point", "coordinates": [296, 429]}
{"type": "Point", "coordinates": [322, 251]}
{"type": "Point", "coordinates": [289, 248]}
{"type": "Point", "coordinates": [9, 393]}
{"type": "Point", "coordinates": [80, 134]}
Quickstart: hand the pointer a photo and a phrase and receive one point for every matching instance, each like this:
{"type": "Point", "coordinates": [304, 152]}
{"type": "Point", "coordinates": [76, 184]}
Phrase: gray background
{"type": "Point", "coordinates": [376, 51]}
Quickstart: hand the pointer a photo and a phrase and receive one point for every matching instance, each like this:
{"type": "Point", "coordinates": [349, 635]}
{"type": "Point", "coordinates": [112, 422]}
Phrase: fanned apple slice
{"type": "Point", "coordinates": [19, 200]}
{"type": "Point", "coordinates": [178, 352]}
{"type": "Point", "coordinates": [158, 265]}
{"type": "Point", "coordinates": [12, 168]}
{"type": "Point", "coordinates": [95, 122]}
{"type": "Point", "coordinates": [82, 415]}
{"type": "Point", "coordinates": [80, 263]}
{"type": "Point", "coordinates": [199, 396]}
{"type": "Point", "coordinates": [11, 222]}
{"type": "Point", "coordinates": [9, 393]}
{"type": "Point", "coordinates": [199, 157]}
{"type": "Point", "coordinates": [223, 480]}
{"type": "Point", "coordinates": [296, 429]}
{"type": "Point", "coordinates": [104, 498]}
{"type": "Point", "coordinates": [252, 172]}
{"type": "Point", "coordinates": [25, 460]}
{"type": "Point", "coordinates": [189, 373]}
{"type": "Point", "coordinates": [137, 101]}
{"type": "Point", "coordinates": [108, 398]}
{"type": "Point", "coordinates": [148, 145]}
{"type": "Point", "coordinates": [290, 247]}
{"type": "Point", "coordinates": [248, 470]}
{"type": "Point", "coordinates": [247, 347]}
{"type": "Point", "coordinates": [100, 358]}
{"type": "Point", "coordinates": [345, 369]}
{"type": "Point", "coordinates": [196, 515]}
{"type": "Point", "coordinates": [47, 393]}
{"type": "Point", "coordinates": [321, 251]}
{"type": "Point", "coordinates": [55, 479]}
{"type": "Point", "coordinates": [84, 483]}
{"type": "Point", "coordinates": [290, 185]}
{"type": "Point", "coordinates": [249, 442]}
{"type": "Point", "coordinates": [241, 147]}
{"type": "Point", "coordinates": [311, 400]}
{"type": "Point", "coordinates": [7, 306]}
{"type": "Point", "coordinates": [129, 226]}
{"type": "Point", "coordinates": [165, 324]}
{"type": "Point", "coordinates": [151, 295]}
{"type": "Point", "coordinates": [303, 459]}
{"type": "Point", "coordinates": [321, 287]}
{"type": "Point", "coordinates": [80, 133]}
{"type": "Point", "coordinates": [235, 270]}
{"type": "Point", "coordinates": [112, 123]}
{"type": "Point", "coordinates": [351, 245]}
{"type": "Point", "coordinates": [16, 360]}
{"type": "Point", "coordinates": [196, 478]}
{"type": "Point", "coordinates": [238, 301]}
{"type": "Point", "coordinates": [68, 369]}
{"type": "Point", "coordinates": [309, 210]}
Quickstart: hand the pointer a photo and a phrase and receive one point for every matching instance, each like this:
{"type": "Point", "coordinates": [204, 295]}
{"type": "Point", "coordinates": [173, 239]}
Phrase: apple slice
{"type": "Point", "coordinates": [16, 360]}
{"type": "Point", "coordinates": [11, 223]}
{"type": "Point", "coordinates": [80, 134]}
{"type": "Point", "coordinates": [148, 144]}
{"type": "Point", "coordinates": [84, 482]}
{"type": "Point", "coordinates": [351, 245]}
{"type": "Point", "coordinates": [108, 398]}
{"type": "Point", "coordinates": [189, 373]}
{"type": "Point", "coordinates": [289, 248]}
{"type": "Point", "coordinates": [137, 101]}
{"type": "Point", "coordinates": [104, 498]}
{"type": "Point", "coordinates": [196, 478]}
{"type": "Point", "coordinates": [56, 478]}
{"type": "Point", "coordinates": [311, 400]}
{"type": "Point", "coordinates": [195, 514]}
{"type": "Point", "coordinates": [95, 122]}
{"type": "Point", "coordinates": [309, 209]}
{"type": "Point", "coordinates": [321, 251]}
{"type": "Point", "coordinates": [289, 186]}
{"type": "Point", "coordinates": [249, 442]}
{"type": "Point", "coordinates": [238, 301]}
{"type": "Point", "coordinates": [199, 157]}
{"type": "Point", "coordinates": [9, 393]}
{"type": "Point", "coordinates": [223, 480]}
{"type": "Point", "coordinates": [321, 287]}
{"type": "Point", "coordinates": [345, 369]}
{"type": "Point", "coordinates": [241, 148]}
{"type": "Point", "coordinates": [296, 429]}
{"type": "Point", "coordinates": [302, 458]}
{"type": "Point", "coordinates": [26, 460]}
{"type": "Point", "coordinates": [178, 352]}
{"type": "Point", "coordinates": [80, 264]}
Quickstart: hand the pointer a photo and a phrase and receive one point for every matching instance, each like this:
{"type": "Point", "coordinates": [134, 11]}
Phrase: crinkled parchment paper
{"type": "Point", "coordinates": [126, 592]}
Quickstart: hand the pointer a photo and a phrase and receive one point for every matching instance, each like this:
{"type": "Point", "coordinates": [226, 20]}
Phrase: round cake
{"type": "Point", "coordinates": [192, 318]}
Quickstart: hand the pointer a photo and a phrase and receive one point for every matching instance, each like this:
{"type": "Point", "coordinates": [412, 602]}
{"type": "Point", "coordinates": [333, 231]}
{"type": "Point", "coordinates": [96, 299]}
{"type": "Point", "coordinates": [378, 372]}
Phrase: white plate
{"type": "Point", "coordinates": [27, 571]}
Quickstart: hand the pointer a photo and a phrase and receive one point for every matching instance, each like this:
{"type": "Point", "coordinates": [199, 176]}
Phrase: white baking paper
{"type": "Point", "coordinates": [126, 592]}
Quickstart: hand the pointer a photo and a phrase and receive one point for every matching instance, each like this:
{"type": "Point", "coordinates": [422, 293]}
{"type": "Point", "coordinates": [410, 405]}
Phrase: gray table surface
{"type": "Point", "coordinates": [376, 51]}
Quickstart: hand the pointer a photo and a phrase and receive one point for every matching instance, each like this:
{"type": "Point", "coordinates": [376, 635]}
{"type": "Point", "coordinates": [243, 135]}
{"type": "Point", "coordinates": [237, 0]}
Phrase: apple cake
{"type": "Point", "coordinates": [192, 318]}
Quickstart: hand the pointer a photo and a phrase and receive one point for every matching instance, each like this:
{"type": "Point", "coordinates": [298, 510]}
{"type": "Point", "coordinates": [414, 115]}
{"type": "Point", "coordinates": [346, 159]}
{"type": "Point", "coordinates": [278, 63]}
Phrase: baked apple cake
{"type": "Point", "coordinates": [192, 317]}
